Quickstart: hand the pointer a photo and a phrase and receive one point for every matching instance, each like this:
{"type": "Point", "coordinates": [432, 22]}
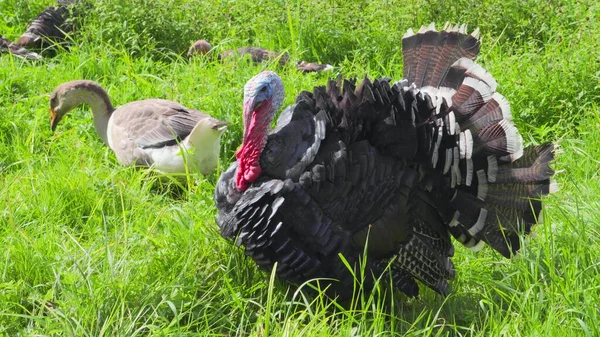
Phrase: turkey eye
{"type": "Point", "coordinates": [263, 89]}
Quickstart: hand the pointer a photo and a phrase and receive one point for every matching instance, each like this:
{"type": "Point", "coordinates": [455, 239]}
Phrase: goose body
{"type": "Point", "coordinates": [155, 133]}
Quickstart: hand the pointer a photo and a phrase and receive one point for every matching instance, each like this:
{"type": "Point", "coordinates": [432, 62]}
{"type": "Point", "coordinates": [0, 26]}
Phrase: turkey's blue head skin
{"type": "Point", "coordinates": [263, 95]}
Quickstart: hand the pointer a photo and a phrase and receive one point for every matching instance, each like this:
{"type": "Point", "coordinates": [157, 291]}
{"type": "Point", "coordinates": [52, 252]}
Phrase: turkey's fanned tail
{"type": "Point", "coordinates": [470, 138]}
{"type": "Point", "coordinates": [428, 54]}
{"type": "Point", "coordinates": [508, 205]}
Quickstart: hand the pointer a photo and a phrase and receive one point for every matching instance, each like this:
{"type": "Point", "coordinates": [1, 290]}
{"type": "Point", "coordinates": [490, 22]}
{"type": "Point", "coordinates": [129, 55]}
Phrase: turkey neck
{"type": "Point", "coordinates": [256, 127]}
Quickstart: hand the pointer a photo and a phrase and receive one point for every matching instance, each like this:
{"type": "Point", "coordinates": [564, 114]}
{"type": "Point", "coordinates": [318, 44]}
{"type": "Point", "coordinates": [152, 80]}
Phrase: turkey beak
{"type": "Point", "coordinates": [257, 105]}
{"type": "Point", "coordinates": [251, 111]}
{"type": "Point", "coordinates": [54, 119]}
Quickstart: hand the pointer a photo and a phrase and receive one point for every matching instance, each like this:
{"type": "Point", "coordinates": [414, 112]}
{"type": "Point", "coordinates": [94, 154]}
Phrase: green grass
{"type": "Point", "coordinates": [90, 248]}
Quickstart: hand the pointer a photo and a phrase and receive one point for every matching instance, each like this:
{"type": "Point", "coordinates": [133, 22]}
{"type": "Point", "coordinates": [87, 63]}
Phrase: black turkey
{"type": "Point", "coordinates": [258, 55]}
{"type": "Point", "coordinates": [49, 27]}
{"type": "Point", "coordinates": [394, 167]}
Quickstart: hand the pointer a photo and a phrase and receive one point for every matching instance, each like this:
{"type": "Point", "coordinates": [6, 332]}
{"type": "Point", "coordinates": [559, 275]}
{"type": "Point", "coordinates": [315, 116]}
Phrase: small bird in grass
{"type": "Point", "coordinates": [258, 55]}
{"type": "Point", "coordinates": [393, 170]}
{"type": "Point", "coordinates": [153, 132]}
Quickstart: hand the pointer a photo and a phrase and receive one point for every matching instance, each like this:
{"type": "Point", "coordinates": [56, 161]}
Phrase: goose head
{"type": "Point", "coordinates": [70, 95]}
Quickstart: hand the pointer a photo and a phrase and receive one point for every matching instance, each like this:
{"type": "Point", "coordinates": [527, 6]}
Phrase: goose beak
{"type": "Point", "coordinates": [220, 126]}
{"type": "Point", "coordinates": [54, 119]}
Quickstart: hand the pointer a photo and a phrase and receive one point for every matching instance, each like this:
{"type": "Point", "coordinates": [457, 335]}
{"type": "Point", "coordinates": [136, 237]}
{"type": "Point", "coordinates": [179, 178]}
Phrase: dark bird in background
{"type": "Point", "coordinates": [6, 46]}
{"type": "Point", "coordinates": [258, 55]}
{"type": "Point", "coordinates": [391, 168]}
{"type": "Point", "coordinates": [48, 28]}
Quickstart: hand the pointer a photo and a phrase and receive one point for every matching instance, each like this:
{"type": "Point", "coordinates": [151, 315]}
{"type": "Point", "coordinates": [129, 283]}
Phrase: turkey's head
{"type": "Point", "coordinates": [263, 95]}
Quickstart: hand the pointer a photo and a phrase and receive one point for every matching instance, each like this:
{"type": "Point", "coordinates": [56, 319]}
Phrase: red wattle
{"type": "Point", "coordinates": [248, 156]}
{"type": "Point", "coordinates": [240, 182]}
{"type": "Point", "coordinates": [248, 168]}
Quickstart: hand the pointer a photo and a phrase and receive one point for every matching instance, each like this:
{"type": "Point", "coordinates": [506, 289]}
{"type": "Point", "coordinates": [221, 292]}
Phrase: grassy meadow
{"type": "Point", "coordinates": [89, 248]}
